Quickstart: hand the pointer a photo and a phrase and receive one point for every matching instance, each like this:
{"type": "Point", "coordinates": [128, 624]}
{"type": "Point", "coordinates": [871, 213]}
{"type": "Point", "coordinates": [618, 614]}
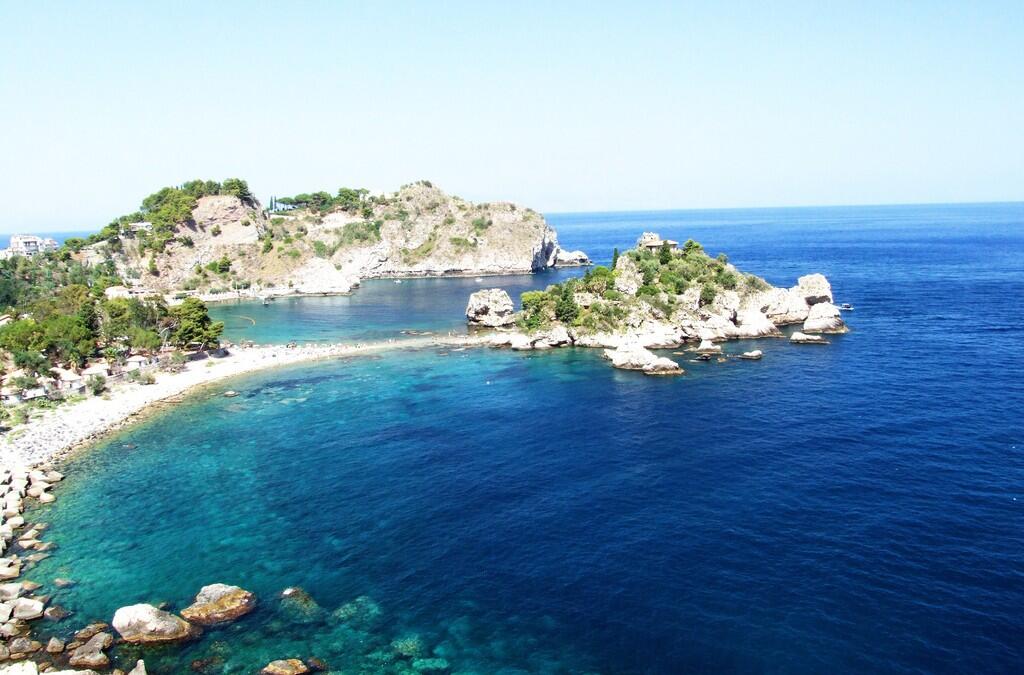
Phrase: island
{"type": "Point", "coordinates": [658, 295]}
{"type": "Point", "coordinates": [214, 240]}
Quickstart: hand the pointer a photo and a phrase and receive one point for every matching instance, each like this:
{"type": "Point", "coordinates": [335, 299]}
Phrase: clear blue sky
{"type": "Point", "coordinates": [560, 106]}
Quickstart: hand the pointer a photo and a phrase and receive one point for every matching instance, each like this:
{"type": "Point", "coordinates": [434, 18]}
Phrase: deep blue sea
{"type": "Point", "coordinates": [855, 508]}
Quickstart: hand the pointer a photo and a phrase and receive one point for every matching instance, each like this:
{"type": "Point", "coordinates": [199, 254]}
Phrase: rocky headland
{"type": "Point", "coordinates": [223, 246]}
{"type": "Point", "coordinates": [658, 296]}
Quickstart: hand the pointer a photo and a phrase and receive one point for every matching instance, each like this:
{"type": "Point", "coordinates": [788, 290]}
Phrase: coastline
{"type": "Point", "coordinates": [56, 433]}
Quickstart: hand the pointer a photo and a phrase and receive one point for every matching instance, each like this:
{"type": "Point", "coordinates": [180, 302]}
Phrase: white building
{"type": "Point", "coordinates": [28, 245]}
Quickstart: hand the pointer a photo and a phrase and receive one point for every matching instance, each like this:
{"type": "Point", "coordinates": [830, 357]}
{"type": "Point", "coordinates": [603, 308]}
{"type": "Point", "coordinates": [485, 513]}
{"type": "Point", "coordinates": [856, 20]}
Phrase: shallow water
{"type": "Point", "coordinates": [850, 508]}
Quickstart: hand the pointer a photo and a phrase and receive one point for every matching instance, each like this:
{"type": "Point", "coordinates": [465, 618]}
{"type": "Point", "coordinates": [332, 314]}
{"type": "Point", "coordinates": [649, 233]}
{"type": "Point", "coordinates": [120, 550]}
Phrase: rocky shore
{"type": "Point", "coordinates": [658, 297]}
{"type": "Point", "coordinates": [27, 473]}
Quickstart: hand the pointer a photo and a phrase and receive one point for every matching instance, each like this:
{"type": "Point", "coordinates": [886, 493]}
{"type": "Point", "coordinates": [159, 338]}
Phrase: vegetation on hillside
{"type": "Point", "coordinates": [664, 276]}
{"type": "Point", "coordinates": [166, 209]}
{"type": "Point", "coordinates": [58, 315]}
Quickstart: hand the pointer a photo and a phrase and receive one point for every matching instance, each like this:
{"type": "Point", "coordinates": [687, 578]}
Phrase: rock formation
{"type": "Point", "coordinates": [635, 357]}
{"type": "Point", "coordinates": [491, 307]}
{"type": "Point", "coordinates": [230, 243]}
{"type": "Point", "coordinates": [146, 624]}
{"type": "Point", "coordinates": [659, 296]}
{"type": "Point", "coordinates": [219, 603]}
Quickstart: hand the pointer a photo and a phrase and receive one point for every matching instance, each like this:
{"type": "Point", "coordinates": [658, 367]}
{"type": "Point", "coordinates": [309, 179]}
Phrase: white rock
{"type": "Point", "coordinates": [490, 307]}
{"type": "Point", "coordinates": [707, 347]}
{"type": "Point", "coordinates": [145, 623]}
{"type": "Point", "coordinates": [139, 669]}
{"type": "Point", "coordinates": [21, 668]}
{"type": "Point", "coordinates": [824, 317]}
{"type": "Point", "coordinates": [636, 357]}
{"type": "Point", "coordinates": [804, 339]}
{"type": "Point", "coordinates": [27, 609]}
{"type": "Point", "coordinates": [814, 288]}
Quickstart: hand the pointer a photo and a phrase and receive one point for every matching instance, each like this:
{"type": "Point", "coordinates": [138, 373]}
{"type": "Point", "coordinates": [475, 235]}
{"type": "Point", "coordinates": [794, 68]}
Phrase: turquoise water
{"type": "Point", "coordinates": [853, 508]}
{"type": "Point", "coordinates": [378, 310]}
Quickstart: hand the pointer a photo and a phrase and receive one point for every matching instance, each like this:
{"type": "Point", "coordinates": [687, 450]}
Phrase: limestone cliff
{"type": "Point", "coordinates": [230, 244]}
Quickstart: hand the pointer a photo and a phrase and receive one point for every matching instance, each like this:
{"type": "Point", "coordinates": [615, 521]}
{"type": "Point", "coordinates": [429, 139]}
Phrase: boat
{"type": "Point", "coordinates": [398, 281]}
{"type": "Point", "coordinates": [846, 307]}
{"type": "Point", "coordinates": [479, 280]}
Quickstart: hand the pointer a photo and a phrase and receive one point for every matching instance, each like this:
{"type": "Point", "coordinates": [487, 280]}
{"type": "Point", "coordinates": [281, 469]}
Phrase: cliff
{"type": "Point", "coordinates": [229, 243]}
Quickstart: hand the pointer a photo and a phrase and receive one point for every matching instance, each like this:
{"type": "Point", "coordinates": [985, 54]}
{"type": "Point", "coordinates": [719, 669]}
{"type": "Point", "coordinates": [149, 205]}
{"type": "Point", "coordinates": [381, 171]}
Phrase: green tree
{"type": "Point", "coordinates": [237, 188]}
{"type": "Point", "coordinates": [566, 309]}
{"type": "Point", "coordinates": [665, 254]}
{"type": "Point", "coordinates": [615, 257]}
{"type": "Point", "coordinates": [192, 325]}
{"type": "Point", "coordinates": [68, 339]}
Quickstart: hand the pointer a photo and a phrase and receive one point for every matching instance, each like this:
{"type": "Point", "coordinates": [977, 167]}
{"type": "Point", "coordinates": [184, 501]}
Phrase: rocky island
{"type": "Point", "coordinates": [658, 296]}
{"type": "Point", "coordinates": [217, 241]}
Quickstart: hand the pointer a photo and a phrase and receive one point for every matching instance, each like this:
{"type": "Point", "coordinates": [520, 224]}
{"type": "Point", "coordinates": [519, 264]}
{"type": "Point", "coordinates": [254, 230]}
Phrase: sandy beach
{"type": "Point", "coordinates": [54, 433]}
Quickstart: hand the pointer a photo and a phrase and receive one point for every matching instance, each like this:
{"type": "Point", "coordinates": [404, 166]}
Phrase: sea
{"type": "Point", "coordinates": [850, 508]}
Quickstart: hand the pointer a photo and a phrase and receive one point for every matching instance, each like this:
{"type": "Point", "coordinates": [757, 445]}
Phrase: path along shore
{"type": "Point", "coordinates": [53, 434]}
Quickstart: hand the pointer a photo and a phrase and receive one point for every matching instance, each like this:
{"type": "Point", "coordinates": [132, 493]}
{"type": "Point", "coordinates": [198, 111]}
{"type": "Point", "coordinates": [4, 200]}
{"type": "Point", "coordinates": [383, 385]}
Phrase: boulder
{"type": "Point", "coordinates": [490, 307]}
{"type": "Point", "coordinates": [751, 322]}
{"type": "Point", "coordinates": [635, 357]}
{"type": "Point", "coordinates": [146, 624]}
{"type": "Point", "coordinates": [814, 288]}
{"type": "Point", "coordinates": [139, 669]}
{"type": "Point", "coordinates": [805, 339]}
{"type": "Point", "coordinates": [565, 258]}
{"type": "Point", "coordinates": [219, 603]}
{"type": "Point", "coordinates": [752, 356]}
{"type": "Point", "coordinates": [10, 568]}
{"type": "Point", "coordinates": [20, 668]}
{"type": "Point", "coordinates": [91, 654]}
{"type": "Point", "coordinates": [708, 347]}
{"type": "Point", "coordinates": [54, 646]}
{"type": "Point", "coordinates": [824, 317]}
{"type": "Point", "coordinates": [27, 609]}
{"type": "Point", "coordinates": [285, 667]}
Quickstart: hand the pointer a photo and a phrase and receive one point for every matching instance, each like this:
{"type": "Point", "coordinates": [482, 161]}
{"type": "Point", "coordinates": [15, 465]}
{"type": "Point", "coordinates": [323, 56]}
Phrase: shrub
{"type": "Point", "coordinates": [566, 309]}
{"type": "Point", "coordinates": [708, 293]}
{"type": "Point", "coordinates": [96, 384]}
{"type": "Point", "coordinates": [215, 230]}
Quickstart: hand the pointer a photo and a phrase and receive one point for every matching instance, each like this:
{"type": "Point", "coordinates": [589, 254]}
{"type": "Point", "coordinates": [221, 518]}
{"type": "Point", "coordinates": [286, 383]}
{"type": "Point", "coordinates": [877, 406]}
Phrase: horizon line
{"type": "Point", "coordinates": [4, 232]}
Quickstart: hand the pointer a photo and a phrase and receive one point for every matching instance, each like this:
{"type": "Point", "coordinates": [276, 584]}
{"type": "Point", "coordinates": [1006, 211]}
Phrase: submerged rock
{"type": "Point", "coordinates": [361, 613]}
{"type": "Point", "coordinates": [144, 623]}
{"type": "Point", "coordinates": [490, 307]}
{"type": "Point", "coordinates": [298, 606]}
{"type": "Point", "coordinates": [409, 646]}
{"type": "Point", "coordinates": [27, 609]}
{"type": "Point", "coordinates": [219, 603]}
{"type": "Point", "coordinates": [285, 667]}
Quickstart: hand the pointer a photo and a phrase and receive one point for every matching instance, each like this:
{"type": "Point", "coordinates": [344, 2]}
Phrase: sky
{"type": "Point", "coordinates": [562, 106]}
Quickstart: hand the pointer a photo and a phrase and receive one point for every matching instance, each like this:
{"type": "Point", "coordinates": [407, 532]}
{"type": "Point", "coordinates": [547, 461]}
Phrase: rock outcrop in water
{"type": "Point", "coordinates": [491, 307]}
{"type": "Point", "coordinates": [325, 247]}
{"type": "Point", "coordinates": [660, 296]}
{"type": "Point", "coordinates": [219, 603]}
{"type": "Point", "coordinates": [146, 624]}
